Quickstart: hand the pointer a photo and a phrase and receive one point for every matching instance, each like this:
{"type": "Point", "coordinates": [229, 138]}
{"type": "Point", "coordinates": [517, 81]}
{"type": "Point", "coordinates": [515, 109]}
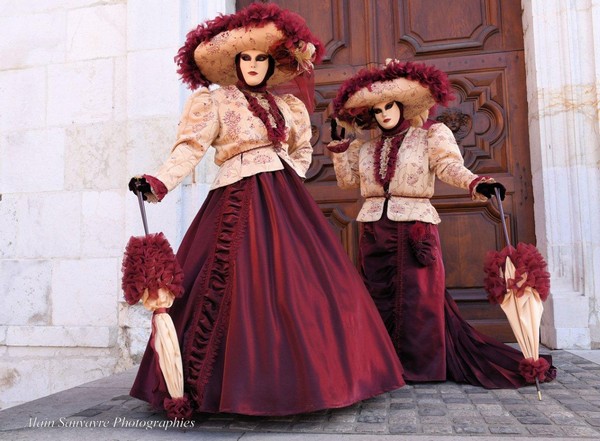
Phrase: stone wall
{"type": "Point", "coordinates": [89, 97]}
{"type": "Point", "coordinates": [562, 48]}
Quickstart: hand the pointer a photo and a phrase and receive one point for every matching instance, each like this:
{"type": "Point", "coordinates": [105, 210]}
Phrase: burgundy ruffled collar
{"type": "Point", "coordinates": [385, 167]}
{"type": "Point", "coordinates": [275, 133]}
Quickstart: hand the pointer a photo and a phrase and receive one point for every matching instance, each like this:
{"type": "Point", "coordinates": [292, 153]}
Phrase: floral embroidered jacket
{"type": "Point", "coordinates": [221, 118]}
{"type": "Point", "coordinates": [425, 153]}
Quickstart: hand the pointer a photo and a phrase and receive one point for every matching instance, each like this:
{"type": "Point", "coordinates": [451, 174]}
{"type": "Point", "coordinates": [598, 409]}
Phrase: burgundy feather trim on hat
{"type": "Point", "coordinates": [291, 24]}
{"type": "Point", "coordinates": [428, 76]}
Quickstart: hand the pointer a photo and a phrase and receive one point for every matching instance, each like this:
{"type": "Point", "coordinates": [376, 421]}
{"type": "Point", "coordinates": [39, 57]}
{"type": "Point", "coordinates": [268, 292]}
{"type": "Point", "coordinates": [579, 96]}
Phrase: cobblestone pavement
{"type": "Point", "coordinates": [570, 408]}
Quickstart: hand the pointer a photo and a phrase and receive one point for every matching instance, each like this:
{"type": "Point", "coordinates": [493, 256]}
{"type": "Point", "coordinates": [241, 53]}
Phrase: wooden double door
{"type": "Point", "coordinates": [479, 43]}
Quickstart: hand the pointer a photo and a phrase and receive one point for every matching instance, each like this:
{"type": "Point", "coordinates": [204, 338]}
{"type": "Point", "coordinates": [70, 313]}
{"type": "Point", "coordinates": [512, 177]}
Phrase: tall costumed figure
{"type": "Point", "coordinates": [274, 319]}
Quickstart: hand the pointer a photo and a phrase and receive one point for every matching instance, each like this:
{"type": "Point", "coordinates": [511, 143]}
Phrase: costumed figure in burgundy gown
{"type": "Point", "coordinates": [400, 254]}
{"type": "Point", "coordinates": [274, 319]}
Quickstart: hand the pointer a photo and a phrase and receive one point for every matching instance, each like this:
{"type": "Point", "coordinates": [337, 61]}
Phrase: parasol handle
{"type": "Point", "coordinates": [497, 191]}
{"type": "Point", "coordinates": [143, 211]}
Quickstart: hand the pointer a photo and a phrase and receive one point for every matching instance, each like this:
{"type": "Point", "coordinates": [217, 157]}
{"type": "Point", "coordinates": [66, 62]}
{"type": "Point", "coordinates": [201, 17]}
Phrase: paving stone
{"type": "Point", "coordinates": [534, 420]}
{"type": "Point", "coordinates": [444, 429]}
{"type": "Point", "coordinates": [472, 390]}
{"type": "Point", "coordinates": [507, 430]}
{"type": "Point", "coordinates": [432, 411]}
{"type": "Point", "coordinates": [341, 427]}
{"type": "Point", "coordinates": [434, 420]}
{"type": "Point", "coordinates": [494, 407]}
{"type": "Point", "coordinates": [370, 428]}
{"type": "Point", "coordinates": [582, 407]}
{"type": "Point", "coordinates": [582, 431]}
{"type": "Point", "coordinates": [450, 400]}
{"type": "Point", "coordinates": [525, 413]}
{"type": "Point", "coordinates": [307, 427]}
{"type": "Point", "coordinates": [473, 420]}
{"type": "Point", "coordinates": [568, 421]}
{"type": "Point", "coordinates": [410, 405]}
{"type": "Point", "coordinates": [463, 413]}
{"type": "Point", "coordinates": [402, 393]}
{"type": "Point", "coordinates": [403, 419]}
{"type": "Point", "coordinates": [121, 398]}
{"type": "Point", "coordinates": [500, 419]}
{"type": "Point", "coordinates": [477, 400]}
{"type": "Point", "coordinates": [593, 421]}
{"type": "Point", "coordinates": [512, 401]}
{"type": "Point", "coordinates": [552, 431]}
{"type": "Point", "coordinates": [343, 418]}
{"type": "Point", "coordinates": [403, 428]}
{"type": "Point", "coordinates": [449, 388]}
{"type": "Point", "coordinates": [372, 416]}
{"type": "Point", "coordinates": [470, 429]}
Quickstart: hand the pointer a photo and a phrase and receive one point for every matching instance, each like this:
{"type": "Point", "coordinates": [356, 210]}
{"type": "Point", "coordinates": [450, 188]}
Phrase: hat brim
{"type": "Point", "coordinates": [216, 58]}
{"type": "Point", "coordinates": [415, 98]}
{"type": "Point", "coordinates": [417, 86]}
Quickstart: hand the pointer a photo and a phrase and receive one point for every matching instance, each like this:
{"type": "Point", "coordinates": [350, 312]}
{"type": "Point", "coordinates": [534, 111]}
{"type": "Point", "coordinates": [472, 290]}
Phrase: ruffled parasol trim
{"type": "Point", "coordinates": [532, 369]}
{"type": "Point", "coordinates": [178, 408]}
{"type": "Point", "coordinates": [149, 263]}
{"type": "Point", "coordinates": [528, 262]}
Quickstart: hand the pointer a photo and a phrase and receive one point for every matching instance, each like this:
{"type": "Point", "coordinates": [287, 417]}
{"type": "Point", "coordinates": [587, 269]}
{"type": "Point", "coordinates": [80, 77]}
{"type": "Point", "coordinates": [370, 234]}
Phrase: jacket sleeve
{"type": "Point", "coordinates": [346, 166]}
{"type": "Point", "coordinates": [300, 149]}
{"type": "Point", "coordinates": [198, 127]}
{"type": "Point", "coordinates": [445, 158]}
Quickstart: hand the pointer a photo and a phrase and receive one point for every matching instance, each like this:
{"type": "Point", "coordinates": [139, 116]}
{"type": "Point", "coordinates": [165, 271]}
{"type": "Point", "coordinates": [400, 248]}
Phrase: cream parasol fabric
{"type": "Point", "coordinates": [166, 344]}
{"type": "Point", "coordinates": [524, 313]}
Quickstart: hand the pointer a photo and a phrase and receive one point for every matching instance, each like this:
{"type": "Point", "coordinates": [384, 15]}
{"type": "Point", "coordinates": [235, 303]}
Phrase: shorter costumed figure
{"type": "Point", "coordinates": [400, 253]}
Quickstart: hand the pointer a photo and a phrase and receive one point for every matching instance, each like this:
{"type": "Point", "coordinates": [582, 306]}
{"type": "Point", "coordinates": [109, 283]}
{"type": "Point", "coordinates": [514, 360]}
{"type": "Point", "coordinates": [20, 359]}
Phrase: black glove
{"type": "Point", "coordinates": [488, 189]}
{"type": "Point", "coordinates": [334, 134]}
{"type": "Point", "coordinates": [139, 184]}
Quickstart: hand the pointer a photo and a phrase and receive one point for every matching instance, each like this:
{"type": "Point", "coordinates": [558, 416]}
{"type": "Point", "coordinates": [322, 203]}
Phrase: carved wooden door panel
{"type": "Point", "coordinates": [479, 43]}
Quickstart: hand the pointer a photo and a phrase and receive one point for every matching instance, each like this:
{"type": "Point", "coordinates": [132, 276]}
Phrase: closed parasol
{"type": "Point", "coordinates": [151, 274]}
{"type": "Point", "coordinates": [518, 280]}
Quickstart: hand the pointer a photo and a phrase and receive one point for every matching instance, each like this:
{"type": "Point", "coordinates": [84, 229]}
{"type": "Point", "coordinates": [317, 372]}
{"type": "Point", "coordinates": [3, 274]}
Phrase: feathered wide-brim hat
{"type": "Point", "coordinates": [208, 55]}
{"type": "Point", "coordinates": [417, 86]}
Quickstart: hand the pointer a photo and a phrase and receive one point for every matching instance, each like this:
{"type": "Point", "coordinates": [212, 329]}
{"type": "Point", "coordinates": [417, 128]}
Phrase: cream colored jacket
{"type": "Point", "coordinates": [423, 155]}
{"type": "Point", "coordinates": [221, 119]}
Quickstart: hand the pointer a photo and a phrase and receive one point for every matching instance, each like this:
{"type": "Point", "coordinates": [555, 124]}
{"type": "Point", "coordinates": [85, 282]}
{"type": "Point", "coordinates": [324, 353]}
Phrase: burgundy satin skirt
{"type": "Point", "coordinates": [275, 319]}
{"type": "Point", "coordinates": [405, 275]}
{"type": "Point", "coordinates": [408, 295]}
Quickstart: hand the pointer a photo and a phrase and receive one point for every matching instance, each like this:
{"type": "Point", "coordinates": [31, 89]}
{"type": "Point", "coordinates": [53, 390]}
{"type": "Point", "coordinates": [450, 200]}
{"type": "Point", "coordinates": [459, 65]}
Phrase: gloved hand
{"type": "Point", "coordinates": [139, 184]}
{"type": "Point", "coordinates": [334, 134]}
{"type": "Point", "coordinates": [488, 189]}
